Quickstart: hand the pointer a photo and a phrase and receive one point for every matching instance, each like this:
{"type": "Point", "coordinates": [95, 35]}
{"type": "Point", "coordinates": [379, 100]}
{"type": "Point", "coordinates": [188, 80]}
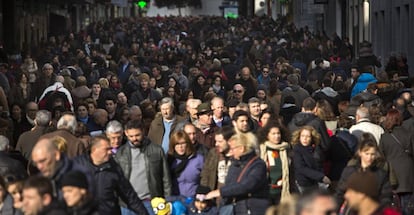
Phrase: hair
{"type": "Point", "coordinates": [227, 132]}
{"type": "Point", "coordinates": [43, 118]}
{"type": "Point", "coordinates": [133, 124]}
{"type": "Point", "coordinates": [366, 141]}
{"type": "Point", "coordinates": [41, 184]}
{"type": "Point", "coordinates": [96, 140]}
{"type": "Point", "coordinates": [324, 110]}
{"type": "Point", "coordinates": [392, 119]}
{"type": "Point", "coordinates": [81, 81]}
{"type": "Point", "coordinates": [362, 112]}
{"type": "Point", "coordinates": [240, 113]}
{"type": "Point", "coordinates": [167, 100]}
{"type": "Point", "coordinates": [4, 143]}
{"type": "Point", "coordinates": [247, 140]}
{"type": "Point", "coordinates": [316, 137]}
{"type": "Point", "coordinates": [47, 65]}
{"type": "Point", "coordinates": [253, 100]}
{"type": "Point", "coordinates": [67, 121]}
{"type": "Point", "coordinates": [174, 139]}
{"type": "Point", "coordinates": [304, 202]}
{"type": "Point", "coordinates": [273, 123]}
{"type": "Point", "coordinates": [113, 127]}
{"type": "Point", "coordinates": [309, 104]}
{"type": "Point", "coordinates": [103, 82]}
{"type": "Point", "coordinates": [61, 143]}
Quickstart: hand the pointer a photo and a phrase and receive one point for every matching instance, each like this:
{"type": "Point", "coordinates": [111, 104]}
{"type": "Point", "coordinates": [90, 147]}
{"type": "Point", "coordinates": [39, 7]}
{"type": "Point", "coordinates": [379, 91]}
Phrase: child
{"type": "Point", "coordinates": [201, 205]}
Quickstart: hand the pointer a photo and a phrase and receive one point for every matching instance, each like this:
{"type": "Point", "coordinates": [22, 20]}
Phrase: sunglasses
{"type": "Point", "coordinates": [237, 91]}
{"type": "Point", "coordinates": [265, 71]}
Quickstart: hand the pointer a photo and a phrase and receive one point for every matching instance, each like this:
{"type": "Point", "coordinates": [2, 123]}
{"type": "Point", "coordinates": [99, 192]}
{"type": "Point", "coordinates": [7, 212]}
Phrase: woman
{"type": "Point", "coordinates": [22, 91]}
{"type": "Point", "coordinates": [307, 159]}
{"type": "Point", "coordinates": [324, 112]}
{"type": "Point", "coordinates": [185, 165]}
{"type": "Point", "coordinates": [274, 152]}
{"type": "Point", "coordinates": [15, 189]}
{"type": "Point", "coordinates": [82, 113]}
{"type": "Point", "coordinates": [199, 86]}
{"type": "Point", "coordinates": [6, 201]}
{"type": "Point", "coordinates": [218, 86]}
{"type": "Point", "coordinates": [397, 146]}
{"type": "Point", "coordinates": [367, 158]}
{"type": "Point", "coordinates": [172, 82]}
{"type": "Point", "coordinates": [244, 189]}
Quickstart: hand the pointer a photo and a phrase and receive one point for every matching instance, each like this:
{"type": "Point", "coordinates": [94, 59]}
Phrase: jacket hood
{"type": "Point", "coordinates": [329, 92]}
{"type": "Point", "coordinates": [367, 78]}
{"type": "Point", "coordinates": [302, 118]}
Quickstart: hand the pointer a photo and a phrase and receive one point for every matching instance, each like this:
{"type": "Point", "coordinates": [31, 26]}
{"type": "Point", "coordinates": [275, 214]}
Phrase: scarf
{"type": "Point", "coordinates": [267, 156]}
{"type": "Point", "coordinates": [176, 172]}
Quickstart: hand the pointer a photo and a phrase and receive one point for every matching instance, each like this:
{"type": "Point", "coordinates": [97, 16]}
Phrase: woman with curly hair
{"type": "Point", "coordinates": [307, 159]}
{"type": "Point", "coordinates": [274, 151]}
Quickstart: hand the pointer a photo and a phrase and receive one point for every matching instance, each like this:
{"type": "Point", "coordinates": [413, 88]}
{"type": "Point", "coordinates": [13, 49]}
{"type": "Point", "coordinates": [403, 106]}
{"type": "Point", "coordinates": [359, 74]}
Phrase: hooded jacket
{"type": "Point", "coordinates": [362, 83]}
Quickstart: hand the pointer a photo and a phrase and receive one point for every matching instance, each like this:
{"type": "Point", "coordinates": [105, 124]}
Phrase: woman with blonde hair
{"type": "Point", "coordinates": [244, 191]}
{"type": "Point", "coordinates": [307, 156]}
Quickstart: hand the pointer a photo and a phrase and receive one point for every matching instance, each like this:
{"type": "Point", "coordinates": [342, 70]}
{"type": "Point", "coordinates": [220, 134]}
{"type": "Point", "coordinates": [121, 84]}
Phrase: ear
{"type": "Point", "coordinates": [303, 109]}
{"type": "Point", "coordinates": [46, 199]}
{"type": "Point", "coordinates": [57, 155]}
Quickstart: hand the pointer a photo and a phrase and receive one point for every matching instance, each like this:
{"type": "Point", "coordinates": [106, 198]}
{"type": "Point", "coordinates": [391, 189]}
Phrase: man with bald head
{"type": "Point", "coordinates": [66, 127]}
{"type": "Point", "coordinates": [96, 126]}
{"type": "Point", "coordinates": [51, 163]}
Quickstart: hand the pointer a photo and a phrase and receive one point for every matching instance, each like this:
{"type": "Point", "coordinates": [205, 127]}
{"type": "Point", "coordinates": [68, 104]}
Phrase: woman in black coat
{"type": "Point", "coordinates": [367, 158]}
{"type": "Point", "coordinates": [244, 187]}
{"type": "Point", "coordinates": [307, 158]}
{"type": "Point", "coordinates": [397, 146]}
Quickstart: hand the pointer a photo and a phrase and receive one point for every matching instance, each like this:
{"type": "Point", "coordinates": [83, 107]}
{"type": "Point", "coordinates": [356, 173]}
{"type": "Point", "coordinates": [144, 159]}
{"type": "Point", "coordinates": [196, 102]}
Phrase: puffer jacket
{"type": "Point", "coordinates": [362, 83]}
{"type": "Point", "coordinates": [155, 163]}
{"type": "Point", "coordinates": [111, 184]}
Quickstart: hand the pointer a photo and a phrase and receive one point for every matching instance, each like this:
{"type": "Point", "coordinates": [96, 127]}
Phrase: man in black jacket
{"type": "Point", "coordinates": [144, 165]}
{"type": "Point", "coordinates": [110, 183]}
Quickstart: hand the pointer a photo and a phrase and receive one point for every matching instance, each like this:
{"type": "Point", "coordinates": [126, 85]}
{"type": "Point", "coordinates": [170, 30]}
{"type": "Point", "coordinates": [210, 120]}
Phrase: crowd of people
{"type": "Point", "coordinates": [205, 115]}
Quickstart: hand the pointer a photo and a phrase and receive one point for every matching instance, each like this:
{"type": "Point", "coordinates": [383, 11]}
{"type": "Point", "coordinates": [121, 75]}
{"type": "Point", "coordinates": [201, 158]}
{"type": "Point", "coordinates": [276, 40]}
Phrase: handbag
{"type": "Point", "coordinates": [406, 150]}
{"type": "Point", "coordinates": [229, 208]}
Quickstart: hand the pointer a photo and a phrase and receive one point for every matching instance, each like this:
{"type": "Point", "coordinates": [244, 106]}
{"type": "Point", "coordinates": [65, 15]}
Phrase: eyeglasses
{"type": "Point", "coordinates": [160, 206]}
{"type": "Point", "coordinates": [330, 212]}
{"type": "Point", "coordinates": [265, 71]}
{"type": "Point", "coordinates": [237, 91]}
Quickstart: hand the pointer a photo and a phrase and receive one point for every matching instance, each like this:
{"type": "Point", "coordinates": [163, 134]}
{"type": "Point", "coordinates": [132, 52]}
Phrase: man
{"type": "Point", "coordinates": [316, 203]}
{"type": "Point", "coordinates": [28, 139]}
{"type": "Point", "coordinates": [159, 78]}
{"type": "Point", "coordinates": [241, 121]}
{"type": "Point", "coordinates": [123, 71]}
{"type": "Point", "coordinates": [180, 77]}
{"type": "Point", "coordinates": [38, 197]}
{"type": "Point", "coordinates": [363, 192]}
{"type": "Point", "coordinates": [294, 90]}
{"type": "Point", "coordinates": [254, 109]}
{"type": "Point", "coordinates": [206, 129]}
{"type": "Point", "coordinates": [145, 92]}
{"type": "Point", "coordinates": [66, 127]}
{"type": "Point", "coordinates": [217, 162]}
{"type": "Point", "coordinates": [162, 126]}
{"type": "Point", "coordinates": [144, 165]}
{"type": "Point", "coordinates": [219, 118]}
{"type": "Point", "coordinates": [114, 132]}
{"type": "Point", "coordinates": [248, 82]}
{"type": "Point", "coordinates": [135, 113]}
{"type": "Point", "coordinates": [110, 183]}
{"type": "Point", "coordinates": [47, 78]}
{"type": "Point", "coordinates": [363, 124]}
{"type": "Point", "coordinates": [111, 103]}
{"type": "Point", "coordinates": [28, 121]}
{"type": "Point", "coordinates": [238, 92]}
{"type": "Point", "coordinates": [4, 81]}
{"type": "Point", "coordinates": [9, 165]}
{"type": "Point", "coordinates": [191, 108]}
{"type": "Point", "coordinates": [308, 117]}
{"type": "Point", "coordinates": [96, 126]}
{"type": "Point", "coordinates": [82, 91]}
{"type": "Point", "coordinates": [51, 163]}
{"type": "Point", "coordinates": [329, 94]}
{"type": "Point", "coordinates": [191, 131]}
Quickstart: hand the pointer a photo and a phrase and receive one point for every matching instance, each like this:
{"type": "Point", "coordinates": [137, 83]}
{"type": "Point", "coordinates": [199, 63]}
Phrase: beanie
{"type": "Point", "coordinates": [75, 179]}
{"type": "Point", "coordinates": [364, 182]}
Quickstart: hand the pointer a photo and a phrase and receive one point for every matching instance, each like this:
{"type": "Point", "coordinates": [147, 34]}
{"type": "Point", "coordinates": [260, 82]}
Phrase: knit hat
{"type": "Point", "coordinates": [201, 193]}
{"type": "Point", "coordinates": [75, 179]}
{"type": "Point", "coordinates": [364, 182]}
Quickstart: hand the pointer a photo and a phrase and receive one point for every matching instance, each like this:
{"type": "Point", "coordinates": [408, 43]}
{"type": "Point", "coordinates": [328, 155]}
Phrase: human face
{"type": "Point", "coordinates": [368, 156]}
{"type": "Point", "coordinates": [191, 132]}
{"type": "Point", "coordinates": [115, 139]}
{"type": "Point", "coordinates": [46, 162]}
{"type": "Point", "coordinates": [48, 71]}
{"type": "Point", "coordinates": [200, 205]}
{"type": "Point", "coordinates": [73, 195]}
{"type": "Point", "coordinates": [201, 80]}
{"type": "Point", "coordinates": [16, 112]}
{"type": "Point", "coordinates": [221, 143]}
{"type": "Point", "coordinates": [15, 191]}
{"type": "Point", "coordinates": [236, 150]}
{"type": "Point", "coordinates": [254, 109]}
{"type": "Point", "coordinates": [82, 112]}
{"type": "Point", "coordinates": [192, 110]}
{"type": "Point", "coordinates": [354, 73]}
{"type": "Point", "coordinates": [122, 99]}
{"type": "Point", "coordinates": [322, 205]}
{"type": "Point", "coordinates": [167, 111]}
{"type": "Point", "coordinates": [32, 109]}
{"type": "Point", "coordinates": [91, 109]}
{"type": "Point", "coordinates": [218, 108]}
{"type": "Point", "coordinates": [101, 153]}
{"type": "Point", "coordinates": [3, 193]}
{"type": "Point", "coordinates": [265, 72]}
{"type": "Point", "coordinates": [135, 136]}
{"type": "Point", "coordinates": [24, 79]}
{"type": "Point", "coordinates": [274, 135]}
{"type": "Point", "coordinates": [242, 123]}
{"type": "Point", "coordinates": [180, 147]}
{"type": "Point", "coordinates": [305, 137]}
{"type": "Point", "coordinates": [353, 198]}
{"type": "Point", "coordinates": [110, 106]}
{"type": "Point", "coordinates": [152, 83]}
{"type": "Point", "coordinates": [238, 91]}
{"type": "Point", "coordinates": [32, 201]}
{"type": "Point", "coordinates": [245, 73]}
{"type": "Point", "coordinates": [205, 119]}
{"type": "Point", "coordinates": [264, 119]}
{"type": "Point", "coordinates": [171, 92]}
{"type": "Point", "coordinates": [96, 89]}
{"type": "Point", "coordinates": [172, 82]}
{"type": "Point", "coordinates": [144, 84]}
{"type": "Point", "coordinates": [261, 94]}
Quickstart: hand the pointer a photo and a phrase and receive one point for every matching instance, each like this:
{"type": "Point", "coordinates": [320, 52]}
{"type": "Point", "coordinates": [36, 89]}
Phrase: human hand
{"type": "Point", "coordinates": [213, 194]}
{"type": "Point", "coordinates": [326, 180]}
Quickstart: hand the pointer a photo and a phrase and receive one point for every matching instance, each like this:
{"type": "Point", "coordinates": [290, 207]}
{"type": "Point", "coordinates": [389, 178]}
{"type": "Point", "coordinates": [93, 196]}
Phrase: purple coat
{"type": "Point", "coordinates": [187, 183]}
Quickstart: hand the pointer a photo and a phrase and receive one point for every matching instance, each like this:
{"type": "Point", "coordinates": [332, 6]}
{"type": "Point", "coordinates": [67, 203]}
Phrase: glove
{"type": "Point", "coordinates": [326, 180]}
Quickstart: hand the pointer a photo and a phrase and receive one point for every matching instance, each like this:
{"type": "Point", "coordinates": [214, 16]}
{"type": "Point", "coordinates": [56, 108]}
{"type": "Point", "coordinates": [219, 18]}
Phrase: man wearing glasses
{"type": "Point", "coordinates": [206, 128]}
{"type": "Point", "coordinates": [238, 92]}
{"type": "Point", "coordinates": [264, 77]}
